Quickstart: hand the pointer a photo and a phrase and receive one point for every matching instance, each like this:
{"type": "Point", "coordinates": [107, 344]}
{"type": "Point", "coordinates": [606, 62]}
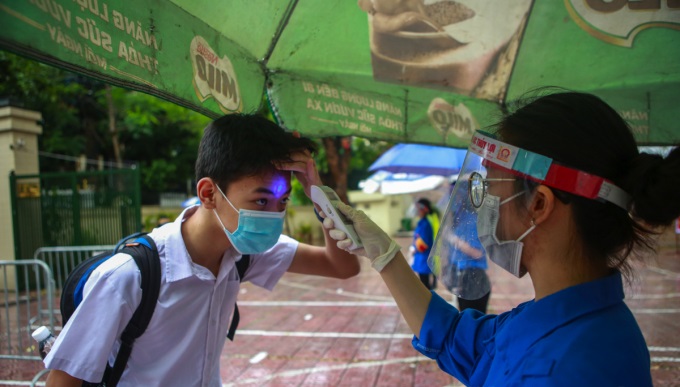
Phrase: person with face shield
{"type": "Point", "coordinates": [243, 171]}
{"type": "Point", "coordinates": [561, 193]}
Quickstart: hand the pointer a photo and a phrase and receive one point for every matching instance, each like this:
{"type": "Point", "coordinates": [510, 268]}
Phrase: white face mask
{"type": "Point", "coordinates": [506, 254]}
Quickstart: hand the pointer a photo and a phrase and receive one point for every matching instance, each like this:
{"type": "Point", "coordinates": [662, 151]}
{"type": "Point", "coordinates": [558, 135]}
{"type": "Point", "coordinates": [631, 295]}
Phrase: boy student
{"type": "Point", "coordinates": [243, 170]}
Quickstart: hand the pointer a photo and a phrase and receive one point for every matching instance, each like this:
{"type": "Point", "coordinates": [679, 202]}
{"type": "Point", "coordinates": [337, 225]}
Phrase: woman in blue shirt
{"type": "Point", "coordinates": [561, 192]}
{"type": "Point", "coordinates": [423, 238]}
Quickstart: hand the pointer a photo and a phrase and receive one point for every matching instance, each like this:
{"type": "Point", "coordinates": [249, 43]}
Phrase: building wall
{"type": "Point", "coordinates": [387, 211]}
{"type": "Point", "coordinates": [19, 130]}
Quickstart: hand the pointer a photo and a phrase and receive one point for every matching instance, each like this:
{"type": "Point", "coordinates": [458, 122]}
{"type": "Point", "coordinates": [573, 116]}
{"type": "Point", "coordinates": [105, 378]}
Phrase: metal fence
{"type": "Point", "coordinates": [28, 301]}
{"type": "Point", "coordinates": [62, 260]}
{"type": "Point", "coordinates": [31, 290]}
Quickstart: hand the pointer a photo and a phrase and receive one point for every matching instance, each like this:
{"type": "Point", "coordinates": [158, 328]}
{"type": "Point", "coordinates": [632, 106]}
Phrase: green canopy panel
{"type": "Point", "coordinates": [430, 71]}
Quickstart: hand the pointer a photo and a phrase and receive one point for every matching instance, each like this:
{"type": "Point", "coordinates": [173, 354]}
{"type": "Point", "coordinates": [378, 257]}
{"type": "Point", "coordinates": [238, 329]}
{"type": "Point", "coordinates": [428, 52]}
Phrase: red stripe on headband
{"type": "Point", "coordinates": [573, 181]}
{"type": "Point", "coordinates": [560, 177]}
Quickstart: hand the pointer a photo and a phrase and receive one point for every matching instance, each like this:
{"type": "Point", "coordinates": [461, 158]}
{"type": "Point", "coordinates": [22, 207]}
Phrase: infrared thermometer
{"type": "Point", "coordinates": [328, 201]}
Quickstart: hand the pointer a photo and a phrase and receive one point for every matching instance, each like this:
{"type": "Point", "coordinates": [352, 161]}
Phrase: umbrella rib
{"type": "Point", "coordinates": [406, 115]}
{"type": "Point", "coordinates": [503, 100]}
{"type": "Point", "coordinates": [279, 30]}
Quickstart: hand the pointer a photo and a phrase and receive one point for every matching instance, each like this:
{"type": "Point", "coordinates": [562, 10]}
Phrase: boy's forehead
{"type": "Point", "coordinates": [277, 182]}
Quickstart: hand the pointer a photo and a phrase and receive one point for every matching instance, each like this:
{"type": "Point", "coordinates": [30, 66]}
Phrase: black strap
{"type": "Point", "coordinates": [146, 257]}
{"type": "Point", "coordinates": [318, 216]}
{"type": "Point", "coordinates": [241, 267]}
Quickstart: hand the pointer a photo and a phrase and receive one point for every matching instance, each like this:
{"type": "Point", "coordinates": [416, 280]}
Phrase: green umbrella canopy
{"type": "Point", "coordinates": [404, 71]}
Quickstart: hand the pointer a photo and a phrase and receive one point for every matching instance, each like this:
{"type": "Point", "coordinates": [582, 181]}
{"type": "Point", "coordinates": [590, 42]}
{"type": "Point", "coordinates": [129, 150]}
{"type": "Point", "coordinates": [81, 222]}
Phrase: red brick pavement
{"type": "Point", "coordinates": [379, 352]}
{"type": "Point", "coordinates": [321, 332]}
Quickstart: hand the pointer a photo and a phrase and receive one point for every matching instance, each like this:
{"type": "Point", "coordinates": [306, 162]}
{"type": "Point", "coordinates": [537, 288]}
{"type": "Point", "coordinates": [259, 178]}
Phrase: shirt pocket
{"type": "Point", "coordinates": [536, 367]}
{"type": "Point", "coordinates": [490, 346]}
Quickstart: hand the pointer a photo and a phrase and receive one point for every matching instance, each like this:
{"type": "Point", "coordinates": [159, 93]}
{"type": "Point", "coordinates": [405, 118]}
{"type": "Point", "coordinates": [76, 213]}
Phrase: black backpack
{"type": "Point", "coordinates": [145, 253]}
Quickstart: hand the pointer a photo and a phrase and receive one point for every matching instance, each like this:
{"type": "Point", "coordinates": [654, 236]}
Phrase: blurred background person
{"type": "Point", "coordinates": [466, 266]}
{"type": "Point", "coordinates": [423, 239]}
{"type": "Point", "coordinates": [467, 269]}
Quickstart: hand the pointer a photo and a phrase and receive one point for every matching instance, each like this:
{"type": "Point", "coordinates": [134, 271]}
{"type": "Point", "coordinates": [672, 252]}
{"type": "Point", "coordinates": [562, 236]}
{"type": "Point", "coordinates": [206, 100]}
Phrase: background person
{"type": "Point", "coordinates": [570, 201]}
{"type": "Point", "coordinates": [423, 239]}
{"type": "Point", "coordinates": [464, 271]}
{"type": "Point", "coordinates": [467, 269]}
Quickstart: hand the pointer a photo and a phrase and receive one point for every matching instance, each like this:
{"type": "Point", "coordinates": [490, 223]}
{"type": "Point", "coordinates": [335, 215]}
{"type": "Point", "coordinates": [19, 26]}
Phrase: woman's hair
{"type": "Point", "coordinates": [240, 145]}
{"type": "Point", "coordinates": [581, 131]}
{"type": "Point", "coordinates": [426, 203]}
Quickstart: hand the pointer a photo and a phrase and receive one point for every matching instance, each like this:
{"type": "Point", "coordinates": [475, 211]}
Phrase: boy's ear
{"type": "Point", "coordinates": [206, 191]}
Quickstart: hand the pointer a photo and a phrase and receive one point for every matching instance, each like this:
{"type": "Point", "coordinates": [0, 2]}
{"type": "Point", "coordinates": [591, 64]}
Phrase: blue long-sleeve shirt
{"type": "Point", "coordinates": [425, 232]}
{"type": "Point", "coordinates": [584, 335]}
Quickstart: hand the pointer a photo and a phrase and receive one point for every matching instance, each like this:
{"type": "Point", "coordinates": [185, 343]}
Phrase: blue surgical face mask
{"type": "Point", "coordinates": [257, 231]}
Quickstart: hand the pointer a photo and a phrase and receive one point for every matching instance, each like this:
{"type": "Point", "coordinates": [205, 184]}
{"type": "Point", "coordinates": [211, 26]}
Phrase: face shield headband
{"type": "Point", "coordinates": [459, 254]}
{"type": "Point", "coordinates": [545, 171]}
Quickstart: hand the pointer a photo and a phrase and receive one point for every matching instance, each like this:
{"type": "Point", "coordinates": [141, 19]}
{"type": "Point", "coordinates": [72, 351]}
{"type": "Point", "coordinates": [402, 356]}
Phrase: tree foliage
{"type": "Point", "coordinates": [43, 88]}
{"type": "Point", "coordinates": [161, 138]}
{"type": "Point", "coordinates": [344, 161]}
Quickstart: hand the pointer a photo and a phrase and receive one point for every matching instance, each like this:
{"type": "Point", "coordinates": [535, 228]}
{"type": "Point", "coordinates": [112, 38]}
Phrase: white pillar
{"type": "Point", "coordinates": [19, 131]}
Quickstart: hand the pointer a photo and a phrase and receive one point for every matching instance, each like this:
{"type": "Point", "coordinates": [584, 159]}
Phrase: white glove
{"type": "Point", "coordinates": [377, 245]}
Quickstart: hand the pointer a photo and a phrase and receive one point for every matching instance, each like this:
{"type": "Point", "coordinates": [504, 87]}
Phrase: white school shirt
{"type": "Point", "coordinates": [184, 340]}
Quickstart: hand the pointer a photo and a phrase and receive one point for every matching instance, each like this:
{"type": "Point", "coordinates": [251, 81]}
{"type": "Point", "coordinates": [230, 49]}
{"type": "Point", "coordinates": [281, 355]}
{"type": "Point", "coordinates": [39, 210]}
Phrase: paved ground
{"type": "Point", "coordinates": [314, 331]}
{"type": "Point", "coordinates": [324, 332]}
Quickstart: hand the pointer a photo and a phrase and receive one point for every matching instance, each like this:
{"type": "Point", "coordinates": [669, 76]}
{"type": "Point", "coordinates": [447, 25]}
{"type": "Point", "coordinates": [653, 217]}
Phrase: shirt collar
{"type": "Point", "coordinates": [178, 263]}
{"type": "Point", "coordinates": [542, 316]}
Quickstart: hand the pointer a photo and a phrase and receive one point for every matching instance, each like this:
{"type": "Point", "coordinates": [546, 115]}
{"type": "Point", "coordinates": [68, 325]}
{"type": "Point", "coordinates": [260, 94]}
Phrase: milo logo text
{"type": "Point", "coordinates": [616, 5]}
{"type": "Point", "coordinates": [214, 77]}
{"type": "Point", "coordinates": [447, 119]}
{"type": "Point", "coordinates": [619, 21]}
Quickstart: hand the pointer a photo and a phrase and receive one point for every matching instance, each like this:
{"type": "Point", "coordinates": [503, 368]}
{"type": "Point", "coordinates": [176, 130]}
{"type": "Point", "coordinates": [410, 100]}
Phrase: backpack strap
{"type": "Point", "coordinates": [145, 253]}
{"type": "Point", "coordinates": [241, 267]}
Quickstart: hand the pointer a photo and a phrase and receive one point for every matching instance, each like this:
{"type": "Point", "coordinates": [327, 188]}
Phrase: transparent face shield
{"type": "Point", "coordinates": [477, 212]}
{"type": "Point", "coordinates": [457, 246]}
{"type": "Point", "coordinates": [487, 215]}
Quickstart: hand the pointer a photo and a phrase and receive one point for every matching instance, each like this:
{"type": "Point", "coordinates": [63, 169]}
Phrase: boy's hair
{"type": "Point", "coordinates": [240, 145]}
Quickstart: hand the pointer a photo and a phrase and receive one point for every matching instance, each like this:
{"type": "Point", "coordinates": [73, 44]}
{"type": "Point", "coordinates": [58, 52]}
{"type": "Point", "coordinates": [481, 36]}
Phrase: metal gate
{"type": "Point", "coordinates": [24, 308]}
{"type": "Point", "coordinates": [74, 208]}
